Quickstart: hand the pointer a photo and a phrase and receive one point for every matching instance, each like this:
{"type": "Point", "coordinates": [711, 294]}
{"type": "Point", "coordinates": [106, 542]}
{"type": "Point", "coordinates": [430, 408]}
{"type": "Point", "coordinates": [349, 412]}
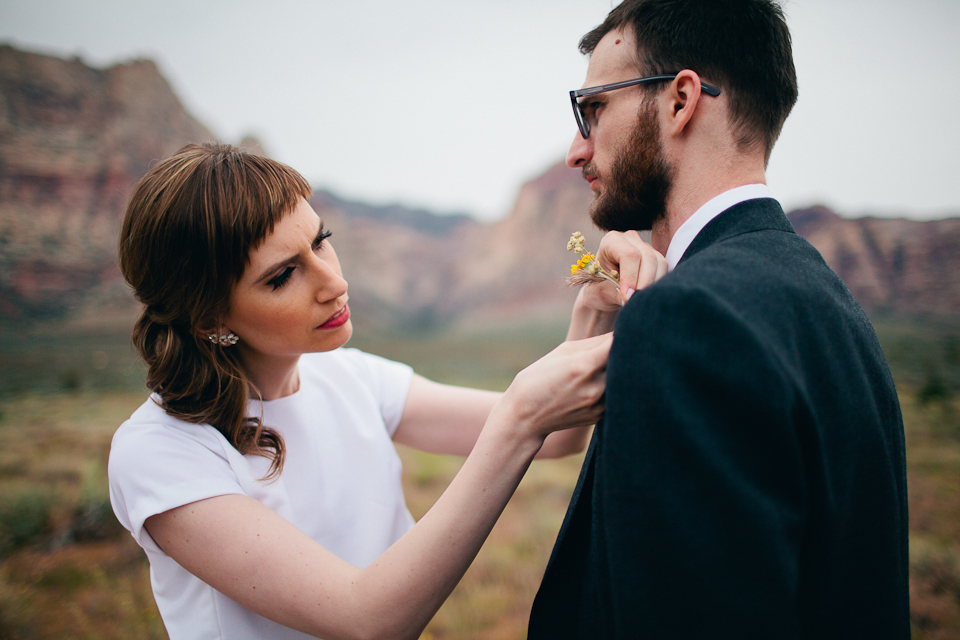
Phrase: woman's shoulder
{"type": "Point", "coordinates": [151, 429]}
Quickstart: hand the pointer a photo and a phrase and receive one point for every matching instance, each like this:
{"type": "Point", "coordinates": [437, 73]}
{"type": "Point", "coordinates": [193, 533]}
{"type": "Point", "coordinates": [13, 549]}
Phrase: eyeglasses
{"type": "Point", "coordinates": [581, 117]}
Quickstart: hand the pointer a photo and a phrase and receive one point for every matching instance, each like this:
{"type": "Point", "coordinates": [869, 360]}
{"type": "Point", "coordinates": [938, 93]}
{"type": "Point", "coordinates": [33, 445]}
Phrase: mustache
{"type": "Point", "coordinates": [590, 171]}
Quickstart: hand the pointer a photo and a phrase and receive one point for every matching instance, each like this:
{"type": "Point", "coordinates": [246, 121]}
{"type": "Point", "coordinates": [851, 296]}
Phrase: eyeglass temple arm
{"type": "Point", "coordinates": [709, 89]}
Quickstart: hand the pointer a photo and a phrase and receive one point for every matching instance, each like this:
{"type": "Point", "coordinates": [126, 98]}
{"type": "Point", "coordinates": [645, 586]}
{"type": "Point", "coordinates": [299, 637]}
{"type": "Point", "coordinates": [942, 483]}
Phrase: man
{"type": "Point", "coordinates": [748, 479]}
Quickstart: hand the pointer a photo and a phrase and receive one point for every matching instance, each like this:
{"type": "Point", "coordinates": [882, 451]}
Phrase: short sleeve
{"type": "Point", "coordinates": [388, 381]}
{"type": "Point", "coordinates": [155, 467]}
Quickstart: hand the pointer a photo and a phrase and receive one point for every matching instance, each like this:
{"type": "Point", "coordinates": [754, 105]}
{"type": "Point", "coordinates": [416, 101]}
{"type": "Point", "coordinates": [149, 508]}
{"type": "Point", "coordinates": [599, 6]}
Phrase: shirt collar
{"type": "Point", "coordinates": [711, 209]}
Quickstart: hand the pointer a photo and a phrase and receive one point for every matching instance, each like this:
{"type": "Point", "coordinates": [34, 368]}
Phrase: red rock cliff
{"type": "Point", "coordinates": [73, 139]}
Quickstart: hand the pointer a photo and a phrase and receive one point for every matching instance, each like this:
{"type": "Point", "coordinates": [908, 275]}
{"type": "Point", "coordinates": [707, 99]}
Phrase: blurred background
{"type": "Point", "coordinates": [433, 133]}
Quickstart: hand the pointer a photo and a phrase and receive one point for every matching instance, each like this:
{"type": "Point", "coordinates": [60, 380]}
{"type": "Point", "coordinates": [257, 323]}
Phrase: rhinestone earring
{"type": "Point", "coordinates": [224, 340]}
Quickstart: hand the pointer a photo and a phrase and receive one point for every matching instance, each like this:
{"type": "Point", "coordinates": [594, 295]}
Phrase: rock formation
{"type": "Point", "coordinates": [894, 266]}
{"type": "Point", "coordinates": [401, 264]}
{"type": "Point", "coordinates": [73, 139]}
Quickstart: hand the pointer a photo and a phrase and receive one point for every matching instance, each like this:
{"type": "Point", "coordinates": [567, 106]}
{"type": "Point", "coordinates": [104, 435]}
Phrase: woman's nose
{"type": "Point", "coordinates": [331, 284]}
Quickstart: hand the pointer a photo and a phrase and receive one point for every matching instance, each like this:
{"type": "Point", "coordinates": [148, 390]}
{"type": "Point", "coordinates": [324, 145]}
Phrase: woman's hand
{"type": "Point", "coordinates": [598, 304]}
{"type": "Point", "coordinates": [562, 390]}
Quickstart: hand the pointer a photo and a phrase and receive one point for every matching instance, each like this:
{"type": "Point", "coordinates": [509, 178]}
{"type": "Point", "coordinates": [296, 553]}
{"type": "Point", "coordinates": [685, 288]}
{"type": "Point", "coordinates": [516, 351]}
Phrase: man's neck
{"type": "Point", "coordinates": [688, 195]}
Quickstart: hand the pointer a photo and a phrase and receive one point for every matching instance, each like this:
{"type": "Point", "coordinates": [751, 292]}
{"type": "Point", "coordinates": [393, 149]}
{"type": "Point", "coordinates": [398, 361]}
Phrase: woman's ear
{"type": "Point", "coordinates": [220, 336]}
{"type": "Point", "coordinates": [210, 328]}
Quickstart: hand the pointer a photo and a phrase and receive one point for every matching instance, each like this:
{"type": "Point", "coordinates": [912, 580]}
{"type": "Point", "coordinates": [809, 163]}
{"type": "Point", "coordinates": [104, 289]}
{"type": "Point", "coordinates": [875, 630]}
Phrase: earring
{"type": "Point", "coordinates": [224, 340]}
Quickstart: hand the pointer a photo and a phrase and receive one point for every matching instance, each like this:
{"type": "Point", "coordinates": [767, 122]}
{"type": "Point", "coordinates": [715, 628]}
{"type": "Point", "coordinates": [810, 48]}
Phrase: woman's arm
{"type": "Point", "coordinates": [442, 418]}
{"type": "Point", "coordinates": [447, 419]}
{"type": "Point", "coordinates": [254, 556]}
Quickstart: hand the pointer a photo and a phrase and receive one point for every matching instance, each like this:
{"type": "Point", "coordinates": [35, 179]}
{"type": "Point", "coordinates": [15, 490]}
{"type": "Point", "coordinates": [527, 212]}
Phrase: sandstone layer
{"type": "Point", "coordinates": [73, 140]}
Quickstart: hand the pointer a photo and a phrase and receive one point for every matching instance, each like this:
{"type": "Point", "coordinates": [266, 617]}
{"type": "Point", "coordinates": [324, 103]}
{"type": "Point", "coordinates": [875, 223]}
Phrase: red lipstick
{"type": "Point", "coordinates": [337, 320]}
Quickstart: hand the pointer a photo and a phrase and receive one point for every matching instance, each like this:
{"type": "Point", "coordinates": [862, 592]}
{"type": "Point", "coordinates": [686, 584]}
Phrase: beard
{"type": "Point", "coordinates": [635, 196]}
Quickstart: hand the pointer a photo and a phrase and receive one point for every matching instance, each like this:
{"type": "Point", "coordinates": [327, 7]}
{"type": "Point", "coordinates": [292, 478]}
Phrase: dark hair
{"type": "Point", "coordinates": [743, 46]}
{"type": "Point", "coordinates": [187, 233]}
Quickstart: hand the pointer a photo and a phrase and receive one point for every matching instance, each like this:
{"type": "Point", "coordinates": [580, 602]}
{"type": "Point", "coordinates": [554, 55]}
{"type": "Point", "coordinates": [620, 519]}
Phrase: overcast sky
{"type": "Point", "coordinates": [452, 104]}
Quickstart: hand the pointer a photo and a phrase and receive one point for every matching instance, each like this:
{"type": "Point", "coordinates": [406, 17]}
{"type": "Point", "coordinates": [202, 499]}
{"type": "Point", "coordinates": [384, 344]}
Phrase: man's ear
{"type": "Point", "coordinates": [682, 96]}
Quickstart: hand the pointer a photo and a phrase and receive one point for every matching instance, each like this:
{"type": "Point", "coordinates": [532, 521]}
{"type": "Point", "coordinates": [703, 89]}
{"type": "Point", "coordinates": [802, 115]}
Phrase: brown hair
{"type": "Point", "coordinates": [187, 233]}
{"type": "Point", "coordinates": [743, 46]}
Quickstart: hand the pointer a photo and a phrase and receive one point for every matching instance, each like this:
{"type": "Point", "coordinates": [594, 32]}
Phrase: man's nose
{"type": "Point", "coordinates": [580, 153]}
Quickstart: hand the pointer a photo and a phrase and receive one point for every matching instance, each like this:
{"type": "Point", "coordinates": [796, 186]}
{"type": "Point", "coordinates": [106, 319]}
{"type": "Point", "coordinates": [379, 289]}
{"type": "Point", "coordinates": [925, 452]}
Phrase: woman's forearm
{"type": "Point", "coordinates": [410, 581]}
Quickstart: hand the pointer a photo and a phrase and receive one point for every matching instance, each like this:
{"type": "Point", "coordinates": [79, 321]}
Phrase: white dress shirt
{"type": "Point", "coordinates": [710, 210]}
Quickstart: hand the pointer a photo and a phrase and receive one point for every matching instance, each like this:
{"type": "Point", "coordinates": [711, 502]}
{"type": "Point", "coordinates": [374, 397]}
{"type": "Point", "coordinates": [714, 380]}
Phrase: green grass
{"type": "Point", "coordinates": [50, 363]}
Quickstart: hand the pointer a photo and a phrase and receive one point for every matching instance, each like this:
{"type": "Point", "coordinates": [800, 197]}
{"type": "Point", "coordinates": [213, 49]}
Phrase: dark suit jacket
{"type": "Point", "coordinates": [748, 479]}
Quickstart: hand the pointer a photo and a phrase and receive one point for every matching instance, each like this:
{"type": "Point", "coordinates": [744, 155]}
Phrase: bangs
{"type": "Point", "coordinates": [247, 195]}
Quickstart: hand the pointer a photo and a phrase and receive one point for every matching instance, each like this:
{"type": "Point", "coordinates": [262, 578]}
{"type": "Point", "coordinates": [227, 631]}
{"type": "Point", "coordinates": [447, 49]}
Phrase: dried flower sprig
{"type": "Point", "coordinates": [587, 269]}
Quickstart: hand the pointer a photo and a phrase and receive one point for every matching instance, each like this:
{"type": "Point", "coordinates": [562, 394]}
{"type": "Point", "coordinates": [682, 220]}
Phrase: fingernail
{"type": "Point", "coordinates": [630, 293]}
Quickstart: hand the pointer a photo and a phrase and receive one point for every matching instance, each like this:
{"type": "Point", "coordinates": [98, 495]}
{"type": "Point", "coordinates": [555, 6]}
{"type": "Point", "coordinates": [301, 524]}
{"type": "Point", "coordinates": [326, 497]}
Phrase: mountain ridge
{"type": "Point", "coordinates": [74, 139]}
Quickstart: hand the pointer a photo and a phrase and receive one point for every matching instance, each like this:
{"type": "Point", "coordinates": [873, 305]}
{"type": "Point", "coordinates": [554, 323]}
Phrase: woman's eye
{"type": "Point", "coordinates": [281, 279]}
{"type": "Point", "coordinates": [318, 243]}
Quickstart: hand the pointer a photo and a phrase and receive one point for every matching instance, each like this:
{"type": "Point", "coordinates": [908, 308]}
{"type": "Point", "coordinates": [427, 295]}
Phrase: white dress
{"type": "Point", "coordinates": [340, 483]}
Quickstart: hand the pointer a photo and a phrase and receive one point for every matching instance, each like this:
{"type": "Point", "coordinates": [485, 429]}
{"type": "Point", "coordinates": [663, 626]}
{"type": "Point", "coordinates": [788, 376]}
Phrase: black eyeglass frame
{"type": "Point", "coordinates": [582, 123]}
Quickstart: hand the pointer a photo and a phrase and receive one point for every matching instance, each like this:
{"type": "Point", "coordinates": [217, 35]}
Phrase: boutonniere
{"type": "Point", "coordinates": [587, 269]}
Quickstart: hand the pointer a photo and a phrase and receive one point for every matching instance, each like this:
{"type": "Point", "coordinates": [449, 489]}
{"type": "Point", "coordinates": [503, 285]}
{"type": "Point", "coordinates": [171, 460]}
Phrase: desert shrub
{"type": "Point", "coordinates": [941, 574]}
{"type": "Point", "coordinates": [25, 519]}
{"type": "Point", "coordinates": [93, 519]}
{"type": "Point", "coordinates": [935, 589]}
{"type": "Point", "coordinates": [934, 389]}
{"type": "Point", "coordinates": [71, 380]}
{"type": "Point", "coordinates": [951, 350]}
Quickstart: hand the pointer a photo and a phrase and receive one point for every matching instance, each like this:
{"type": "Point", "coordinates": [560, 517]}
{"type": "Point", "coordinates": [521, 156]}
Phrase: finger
{"type": "Point", "coordinates": [663, 267]}
{"type": "Point", "coordinates": [623, 252]}
{"type": "Point", "coordinates": [648, 267]}
{"type": "Point", "coordinates": [594, 353]}
{"type": "Point", "coordinates": [604, 340]}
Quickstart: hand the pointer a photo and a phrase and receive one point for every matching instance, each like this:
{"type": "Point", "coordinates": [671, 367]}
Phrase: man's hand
{"type": "Point", "coordinates": [598, 304]}
{"type": "Point", "coordinates": [638, 263]}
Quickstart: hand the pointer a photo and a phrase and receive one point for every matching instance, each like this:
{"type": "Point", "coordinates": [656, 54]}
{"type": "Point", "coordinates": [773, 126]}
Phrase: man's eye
{"type": "Point", "coordinates": [590, 109]}
{"type": "Point", "coordinates": [281, 279]}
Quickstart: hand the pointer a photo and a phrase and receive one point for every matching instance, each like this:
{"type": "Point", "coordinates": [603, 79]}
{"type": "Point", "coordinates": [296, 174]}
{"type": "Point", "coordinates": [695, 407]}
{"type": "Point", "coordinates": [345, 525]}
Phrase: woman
{"type": "Point", "coordinates": [260, 478]}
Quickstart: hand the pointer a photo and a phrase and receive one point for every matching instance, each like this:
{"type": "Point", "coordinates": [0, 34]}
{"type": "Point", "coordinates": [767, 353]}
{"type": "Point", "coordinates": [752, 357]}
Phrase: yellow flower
{"type": "Point", "coordinates": [587, 269]}
{"type": "Point", "coordinates": [585, 262]}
